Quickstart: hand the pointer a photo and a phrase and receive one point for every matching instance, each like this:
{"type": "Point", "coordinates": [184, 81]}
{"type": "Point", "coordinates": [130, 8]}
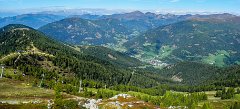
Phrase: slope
{"type": "Point", "coordinates": [212, 41]}
{"type": "Point", "coordinates": [115, 57]}
{"type": "Point", "coordinates": [191, 73]}
{"type": "Point", "coordinates": [197, 74]}
{"type": "Point", "coordinates": [34, 53]}
{"type": "Point", "coordinates": [87, 32]}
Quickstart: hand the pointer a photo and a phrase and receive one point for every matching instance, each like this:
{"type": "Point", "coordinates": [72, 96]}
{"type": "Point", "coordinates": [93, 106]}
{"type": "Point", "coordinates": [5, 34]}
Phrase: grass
{"type": "Point", "coordinates": [217, 58]}
{"type": "Point", "coordinates": [20, 94]}
{"type": "Point", "coordinates": [211, 96]}
{"type": "Point", "coordinates": [165, 51]}
{"type": "Point", "coordinates": [217, 102]}
{"type": "Point", "coordinates": [237, 62]}
{"type": "Point", "coordinates": [237, 97]}
{"type": "Point", "coordinates": [121, 39]}
{"type": "Point", "coordinates": [105, 90]}
{"type": "Point", "coordinates": [13, 89]}
{"type": "Point", "coordinates": [23, 106]}
{"type": "Point", "coordinates": [17, 94]}
{"type": "Point", "coordinates": [32, 49]}
{"type": "Point", "coordinates": [11, 55]}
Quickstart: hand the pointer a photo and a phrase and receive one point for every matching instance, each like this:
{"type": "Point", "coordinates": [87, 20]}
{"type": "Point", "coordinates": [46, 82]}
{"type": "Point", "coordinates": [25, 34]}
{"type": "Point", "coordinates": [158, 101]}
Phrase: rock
{"type": "Point", "coordinates": [120, 95]}
{"type": "Point", "coordinates": [50, 103]}
{"type": "Point", "coordinates": [130, 105]}
{"type": "Point", "coordinates": [92, 104]}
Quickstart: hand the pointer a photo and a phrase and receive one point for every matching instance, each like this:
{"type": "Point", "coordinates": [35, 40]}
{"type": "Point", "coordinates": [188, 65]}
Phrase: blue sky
{"type": "Point", "coordinates": [231, 6]}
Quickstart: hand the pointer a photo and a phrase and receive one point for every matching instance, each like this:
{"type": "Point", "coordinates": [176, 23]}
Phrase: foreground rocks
{"type": "Point", "coordinates": [92, 104]}
{"type": "Point", "coordinates": [120, 101]}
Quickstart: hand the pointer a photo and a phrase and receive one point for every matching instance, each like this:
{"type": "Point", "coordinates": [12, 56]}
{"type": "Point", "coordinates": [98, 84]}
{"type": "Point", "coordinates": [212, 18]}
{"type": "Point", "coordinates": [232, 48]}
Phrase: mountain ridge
{"type": "Point", "coordinates": [39, 53]}
{"type": "Point", "coordinates": [32, 20]}
{"type": "Point", "coordinates": [191, 36]}
{"type": "Point", "coordinates": [80, 31]}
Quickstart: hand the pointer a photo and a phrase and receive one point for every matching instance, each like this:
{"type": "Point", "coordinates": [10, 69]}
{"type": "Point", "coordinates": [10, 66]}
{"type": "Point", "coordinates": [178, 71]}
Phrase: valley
{"type": "Point", "coordinates": [128, 60]}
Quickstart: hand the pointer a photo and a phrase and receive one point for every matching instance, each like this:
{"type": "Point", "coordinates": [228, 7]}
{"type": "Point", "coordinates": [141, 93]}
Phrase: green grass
{"type": "Point", "coordinates": [13, 89]}
{"type": "Point", "coordinates": [121, 39]}
{"type": "Point", "coordinates": [165, 51]}
{"type": "Point", "coordinates": [20, 95]}
{"type": "Point", "coordinates": [30, 49]}
{"type": "Point", "coordinates": [20, 91]}
{"type": "Point", "coordinates": [11, 55]}
{"type": "Point", "coordinates": [237, 97]}
{"type": "Point", "coordinates": [23, 106]}
{"type": "Point", "coordinates": [217, 102]}
{"type": "Point", "coordinates": [149, 53]}
{"type": "Point", "coordinates": [217, 58]}
{"type": "Point", "coordinates": [105, 90]}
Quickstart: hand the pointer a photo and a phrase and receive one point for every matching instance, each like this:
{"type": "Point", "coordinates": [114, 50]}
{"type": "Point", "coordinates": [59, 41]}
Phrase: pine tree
{"type": "Point", "coordinates": [58, 101]}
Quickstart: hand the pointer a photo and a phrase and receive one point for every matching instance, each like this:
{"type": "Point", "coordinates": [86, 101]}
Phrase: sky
{"type": "Point", "coordinates": [228, 6]}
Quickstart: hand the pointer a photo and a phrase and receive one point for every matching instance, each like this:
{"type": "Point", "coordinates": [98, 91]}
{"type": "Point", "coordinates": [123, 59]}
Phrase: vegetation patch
{"type": "Point", "coordinates": [217, 58]}
{"type": "Point", "coordinates": [165, 51]}
{"type": "Point", "coordinates": [17, 89]}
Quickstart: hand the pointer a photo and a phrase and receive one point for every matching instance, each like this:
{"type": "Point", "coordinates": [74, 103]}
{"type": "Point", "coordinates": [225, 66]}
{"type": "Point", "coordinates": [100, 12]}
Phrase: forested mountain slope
{"type": "Point", "coordinates": [34, 53]}
{"type": "Point", "coordinates": [86, 32]}
{"type": "Point", "coordinates": [112, 56]}
{"type": "Point", "coordinates": [208, 40]}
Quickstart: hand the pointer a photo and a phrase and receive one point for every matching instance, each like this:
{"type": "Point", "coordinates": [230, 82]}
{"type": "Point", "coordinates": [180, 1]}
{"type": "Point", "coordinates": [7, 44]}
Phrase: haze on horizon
{"type": "Point", "coordinates": [161, 6]}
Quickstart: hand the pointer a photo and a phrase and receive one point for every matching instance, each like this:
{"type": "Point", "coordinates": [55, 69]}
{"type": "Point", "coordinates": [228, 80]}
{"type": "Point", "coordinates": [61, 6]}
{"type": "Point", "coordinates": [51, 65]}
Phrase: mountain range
{"type": "Point", "coordinates": [155, 38]}
{"type": "Point", "coordinates": [32, 20]}
{"type": "Point", "coordinates": [88, 32]}
{"type": "Point", "coordinates": [180, 60]}
{"type": "Point", "coordinates": [23, 47]}
{"type": "Point", "coordinates": [205, 39]}
{"type": "Point", "coordinates": [213, 41]}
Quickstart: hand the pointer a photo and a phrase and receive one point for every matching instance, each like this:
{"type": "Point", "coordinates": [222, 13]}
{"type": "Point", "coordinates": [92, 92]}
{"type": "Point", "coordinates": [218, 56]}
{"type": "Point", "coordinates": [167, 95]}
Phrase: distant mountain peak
{"type": "Point", "coordinates": [32, 20]}
{"type": "Point", "coordinates": [223, 16]}
{"type": "Point", "coordinates": [150, 13]}
{"type": "Point", "coordinates": [136, 13]}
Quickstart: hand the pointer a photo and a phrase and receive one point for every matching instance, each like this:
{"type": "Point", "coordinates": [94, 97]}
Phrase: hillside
{"type": "Point", "coordinates": [43, 69]}
{"type": "Point", "coordinates": [212, 41]}
{"type": "Point", "coordinates": [25, 48]}
{"type": "Point", "coordinates": [115, 57]}
{"type": "Point", "coordinates": [192, 73]}
{"type": "Point", "coordinates": [32, 20]}
{"type": "Point", "coordinates": [199, 74]}
{"type": "Point", "coordinates": [86, 32]}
